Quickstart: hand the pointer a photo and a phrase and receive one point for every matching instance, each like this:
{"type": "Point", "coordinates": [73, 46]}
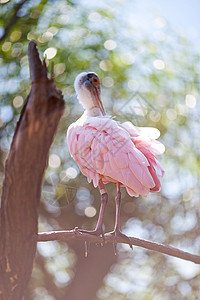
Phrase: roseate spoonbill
{"type": "Point", "coordinates": [109, 151]}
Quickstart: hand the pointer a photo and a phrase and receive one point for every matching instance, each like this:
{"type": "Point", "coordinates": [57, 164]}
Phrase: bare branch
{"type": "Point", "coordinates": [75, 234]}
{"type": "Point", "coordinates": [37, 68]}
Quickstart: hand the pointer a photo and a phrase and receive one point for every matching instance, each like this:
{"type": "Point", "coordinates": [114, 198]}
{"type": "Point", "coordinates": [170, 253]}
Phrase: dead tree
{"type": "Point", "coordinates": [24, 170]}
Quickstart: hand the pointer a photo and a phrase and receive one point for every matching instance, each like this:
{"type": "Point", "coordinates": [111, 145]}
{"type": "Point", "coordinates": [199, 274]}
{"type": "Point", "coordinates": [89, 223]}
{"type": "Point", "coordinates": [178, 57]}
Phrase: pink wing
{"type": "Point", "coordinates": [104, 148]}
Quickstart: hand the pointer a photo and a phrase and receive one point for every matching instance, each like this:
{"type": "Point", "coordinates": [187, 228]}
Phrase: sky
{"type": "Point", "coordinates": [181, 15]}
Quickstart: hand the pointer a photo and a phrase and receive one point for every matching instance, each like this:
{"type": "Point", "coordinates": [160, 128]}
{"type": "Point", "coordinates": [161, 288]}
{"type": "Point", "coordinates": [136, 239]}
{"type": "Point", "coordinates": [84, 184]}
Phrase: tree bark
{"type": "Point", "coordinates": [24, 170]}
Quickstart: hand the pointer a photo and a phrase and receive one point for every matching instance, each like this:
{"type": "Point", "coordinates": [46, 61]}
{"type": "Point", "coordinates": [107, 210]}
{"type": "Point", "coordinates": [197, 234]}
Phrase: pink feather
{"type": "Point", "coordinates": [104, 148]}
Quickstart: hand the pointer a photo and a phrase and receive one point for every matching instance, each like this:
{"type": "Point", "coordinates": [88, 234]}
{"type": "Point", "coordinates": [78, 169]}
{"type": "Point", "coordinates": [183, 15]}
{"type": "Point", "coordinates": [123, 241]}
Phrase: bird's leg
{"type": "Point", "coordinates": [99, 227]}
{"type": "Point", "coordinates": [117, 232]}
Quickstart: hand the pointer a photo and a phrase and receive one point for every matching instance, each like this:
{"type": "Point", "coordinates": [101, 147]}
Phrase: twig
{"type": "Point", "coordinates": [52, 70]}
{"type": "Point", "coordinates": [75, 234]}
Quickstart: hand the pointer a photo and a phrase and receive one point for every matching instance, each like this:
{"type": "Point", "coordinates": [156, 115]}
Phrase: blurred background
{"type": "Point", "coordinates": [147, 56]}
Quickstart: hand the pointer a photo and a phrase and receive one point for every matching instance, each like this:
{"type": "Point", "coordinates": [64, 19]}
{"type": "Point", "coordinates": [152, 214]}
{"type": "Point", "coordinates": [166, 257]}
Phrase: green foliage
{"type": "Point", "coordinates": [151, 80]}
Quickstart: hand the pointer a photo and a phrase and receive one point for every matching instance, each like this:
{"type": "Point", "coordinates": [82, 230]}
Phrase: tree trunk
{"type": "Point", "coordinates": [24, 170]}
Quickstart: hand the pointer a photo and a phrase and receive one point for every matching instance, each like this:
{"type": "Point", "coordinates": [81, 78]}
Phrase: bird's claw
{"type": "Point", "coordinates": [117, 233]}
{"type": "Point", "coordinates": [96, 232]}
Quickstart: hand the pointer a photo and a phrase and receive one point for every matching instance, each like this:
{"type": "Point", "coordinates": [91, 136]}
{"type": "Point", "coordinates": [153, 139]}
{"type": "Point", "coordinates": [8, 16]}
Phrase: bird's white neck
{"type": "Point", "coordinates": [88, 103]}
{"type": "Point", "coordinates": [92, 112]}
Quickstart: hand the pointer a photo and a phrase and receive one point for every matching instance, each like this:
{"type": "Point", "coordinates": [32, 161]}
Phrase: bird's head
{"type": "Point", "coordinates": [88, 90]}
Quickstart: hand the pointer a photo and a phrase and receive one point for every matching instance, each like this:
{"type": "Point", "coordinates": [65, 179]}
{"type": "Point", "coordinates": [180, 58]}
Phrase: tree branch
{"type": "Point", "coordinates": [12, 20]}
{"type": "Point", "coordinates": [75, 234]}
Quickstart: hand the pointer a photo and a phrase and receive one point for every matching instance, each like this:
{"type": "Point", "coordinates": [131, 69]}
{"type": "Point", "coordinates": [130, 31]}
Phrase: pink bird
{"type": "Point", "coordinates": [109, 151]}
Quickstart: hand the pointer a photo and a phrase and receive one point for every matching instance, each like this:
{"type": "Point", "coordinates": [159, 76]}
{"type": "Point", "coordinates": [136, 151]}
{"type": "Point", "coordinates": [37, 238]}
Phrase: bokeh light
{"type": "Point", "coordinates": [133, 85]}
{"type": "Point", "coordinates": [71, 172]}
{"type": "Point", "coordinates": [18, 101]}
{"type": "Point", "coordinates": [94, 17]}
{"type": "Point", "coordinates": [159, 64]}
{"type": "Point", "coordinates": [159, 22]}
{"type": "Point", "coordinates": [110, 45]}
{"type": "Point", "coordinates": [15, 35]}
{"type": "Point", "coordinates": [6, 46]}
{"type": "Point", "coordinates": [105, 65]}
{"type": "Point", "coordinates": [90, 211]}
{"type": "Point", "coordinates": [6, 113]}
{"type": "Point", "coordinates": [108, 82]}
{"type": "Point", "coordinates": [171, 114]}
{"type": "Point", "coordinates": [54, 161]}
{"type": "Point", "coordinates": [190, 101]}
{"type": "Point", "coordinates": [50, 52]}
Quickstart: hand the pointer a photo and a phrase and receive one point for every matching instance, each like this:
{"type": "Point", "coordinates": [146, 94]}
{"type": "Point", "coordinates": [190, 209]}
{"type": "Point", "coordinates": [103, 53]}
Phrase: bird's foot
{"type": "Point", "coordinates": [97, 232]}
{"type": "Point", "coordinates": [117, 233]}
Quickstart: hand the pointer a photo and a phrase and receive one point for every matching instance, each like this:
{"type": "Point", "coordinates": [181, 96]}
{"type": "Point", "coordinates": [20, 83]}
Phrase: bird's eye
{"type": "Point", "coordinates": [95, 81]}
